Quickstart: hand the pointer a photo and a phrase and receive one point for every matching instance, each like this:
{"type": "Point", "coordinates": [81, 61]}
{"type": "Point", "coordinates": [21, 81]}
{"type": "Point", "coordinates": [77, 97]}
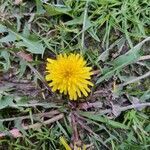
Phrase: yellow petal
{"type": "Point", "coordinates": [69, 74]}
{"type": "Point", "coordinates": [50, 60]}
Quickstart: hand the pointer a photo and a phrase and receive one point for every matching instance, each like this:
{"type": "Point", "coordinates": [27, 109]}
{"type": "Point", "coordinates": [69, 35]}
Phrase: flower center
{"type": "Point", "coordinates": [68, 74]}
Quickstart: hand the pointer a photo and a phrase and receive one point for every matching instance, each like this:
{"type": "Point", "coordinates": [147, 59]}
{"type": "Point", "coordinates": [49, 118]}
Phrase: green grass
{"type": "Point", "coordinates": [112, 35]}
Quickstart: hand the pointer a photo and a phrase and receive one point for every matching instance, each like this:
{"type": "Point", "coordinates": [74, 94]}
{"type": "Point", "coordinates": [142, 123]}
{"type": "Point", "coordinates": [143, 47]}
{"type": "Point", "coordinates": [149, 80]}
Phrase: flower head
{"type": "Point", "coordinates": [69, 74]}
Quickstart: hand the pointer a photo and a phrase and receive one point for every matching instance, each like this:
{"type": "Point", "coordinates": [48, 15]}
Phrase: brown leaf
{"type": "Point", "coordinates": [17, 2]}
{"type": "Point", "coordinates": [14, 132]}
{"type": "Point", "coordinates": [134, 101]}
{"type": "Point", "coordinates": [87, 105]}
{"type": "Point", "coordinates": [25, 56]}
{"type": "Point", "coordinates": [115, 110]}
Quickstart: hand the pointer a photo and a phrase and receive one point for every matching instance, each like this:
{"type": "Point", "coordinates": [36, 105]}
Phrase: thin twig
{"type": "Point", "coordinates": [120, 109]}
{"type": "Point", "coordinates": [49, 121]}
{"type": "Point", "coordinates": [31, 105]}
{"type": "Point", "coordinates": [95, 72]}
{"type": "Point", "coordinates": [75, 136]}
{"type": "Point", "coordinates": [7, 15]}
{"type": "Point", "coordinates": [15, 132]}
{"type": "Point", "coordinates": [45, 114]}
{"type": "Point", "coordinates": [139, 45]}
{"type": "Point", "coordinates": [144, 57]}
{"type": "Point", "coordinates": [135, 79]}
{"type": "Point", "coordinates": [133, 106]}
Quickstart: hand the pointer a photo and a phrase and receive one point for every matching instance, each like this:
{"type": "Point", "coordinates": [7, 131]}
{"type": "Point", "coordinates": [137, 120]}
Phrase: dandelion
{"type": "Point", "coordinates": [70, 75]}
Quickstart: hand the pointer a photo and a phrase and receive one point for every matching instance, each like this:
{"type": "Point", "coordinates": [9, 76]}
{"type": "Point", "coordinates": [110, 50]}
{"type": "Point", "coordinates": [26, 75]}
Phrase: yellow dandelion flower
{"type": "Point", "coordinates": [70, 75]}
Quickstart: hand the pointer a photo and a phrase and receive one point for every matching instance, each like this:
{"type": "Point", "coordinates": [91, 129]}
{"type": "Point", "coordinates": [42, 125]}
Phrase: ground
{"type": "Point", "coordinates": [113, 36]}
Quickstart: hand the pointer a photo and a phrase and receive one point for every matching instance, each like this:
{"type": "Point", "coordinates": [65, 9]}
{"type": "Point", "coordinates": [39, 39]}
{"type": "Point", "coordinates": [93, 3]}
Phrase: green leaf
{"type": "Point", "coordinates": [10, 37]}
{"type": "Point", "coordinates": [57, 10]}
{"type": "Point", "coordinates": [145, 96]}
{"type": "Point", "coordinates": [35, 47]}
{"type": "Point", "coordinates": [22, 69]}
{"type": "Point", "coordinates": [75, 21]}
{"type": "Point", "coordinates": [5, 55]}
{"type": "Point", "coordinates": [147, 128]}
{"type": "Point", "coordinates": [63, 130]}
{"type": "Point", "coordinates": [93, 34]}
{"type": "Point", "coordinates": [131, 56]}
{"type": "Point", "coordinates": [103, 56]}
{"type": "Point", "coordinates": [6, 101]}
{"type": "Point", "coordinates": [100, 118]}
{"type": "Point", "coordinates": [119, 63]}
{"type": "Point", "coordinates": [2, 128]}
{"type": "Point", "coordinates": [4, 29]}
{"type": "Point", "coordinates": [39, 7]}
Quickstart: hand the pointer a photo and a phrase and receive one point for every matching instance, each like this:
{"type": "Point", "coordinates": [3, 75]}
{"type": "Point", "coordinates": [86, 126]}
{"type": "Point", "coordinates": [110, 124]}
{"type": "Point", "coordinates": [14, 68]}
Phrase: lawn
{"type": "Point", "coordinates": [105, 44]}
